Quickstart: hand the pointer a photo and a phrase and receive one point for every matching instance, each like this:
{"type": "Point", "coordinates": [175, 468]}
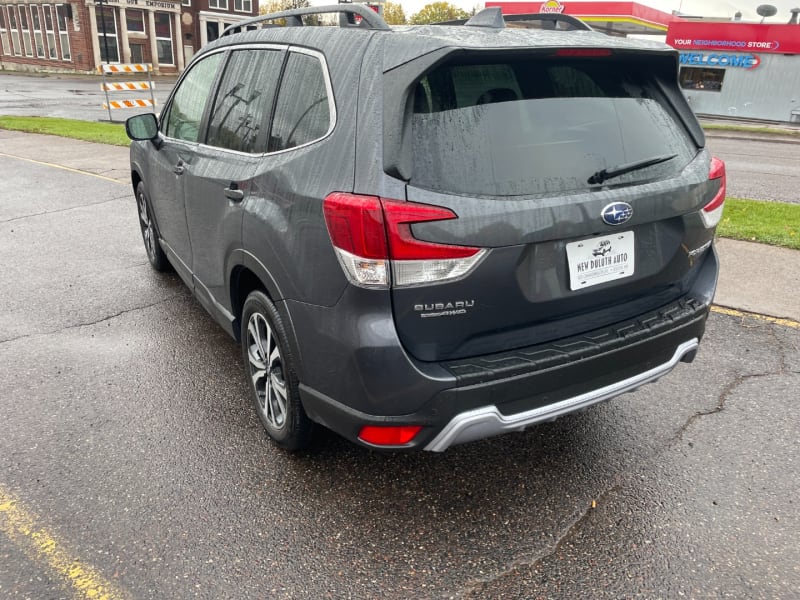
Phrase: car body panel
{"type": "Point", "coordinates": [163, 182]}
{"type": "Point", "coordinates": [513, 336]}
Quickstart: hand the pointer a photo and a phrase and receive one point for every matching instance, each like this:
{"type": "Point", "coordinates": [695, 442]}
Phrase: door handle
{"type": "Point", "coordinates": [178, 170]}
{"type": "Point", "coordinates": [234, 193]}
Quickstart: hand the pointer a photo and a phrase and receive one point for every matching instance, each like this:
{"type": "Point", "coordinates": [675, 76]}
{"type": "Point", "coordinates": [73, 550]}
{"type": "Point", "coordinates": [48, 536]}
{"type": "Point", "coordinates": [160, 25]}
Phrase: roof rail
{"type": "Point", "coordinates": [369, 19]}
{"type": "Point", "coordinates": [493, 18]}
{"type": "Point", "coordinates": [548, 21]}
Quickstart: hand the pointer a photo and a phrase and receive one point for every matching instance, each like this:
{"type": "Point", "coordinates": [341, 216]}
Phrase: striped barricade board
{"type": "Point", "coordinates": [127, 86]}
{"type": "Point", "coordinates": [137, 103]}
{"type": "Point", "coordinates": [125, 68]}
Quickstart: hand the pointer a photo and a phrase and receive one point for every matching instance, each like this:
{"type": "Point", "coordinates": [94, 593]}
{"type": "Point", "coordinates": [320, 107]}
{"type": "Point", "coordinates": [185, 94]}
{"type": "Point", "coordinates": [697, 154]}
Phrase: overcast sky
{"type": "Point", "coordinates": [706, 8]}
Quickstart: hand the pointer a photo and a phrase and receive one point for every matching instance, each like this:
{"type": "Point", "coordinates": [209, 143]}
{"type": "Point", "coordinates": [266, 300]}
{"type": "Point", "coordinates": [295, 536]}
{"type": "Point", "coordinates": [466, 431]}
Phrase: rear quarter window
{"type": "Point", "coordinates": [540, 125]}
{"type": "Point", "coordinates": [303, 110]}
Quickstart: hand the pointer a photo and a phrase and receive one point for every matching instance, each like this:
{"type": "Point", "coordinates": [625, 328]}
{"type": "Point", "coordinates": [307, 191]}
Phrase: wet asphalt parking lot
{"type": "Point", "coordinates": [129, 443]}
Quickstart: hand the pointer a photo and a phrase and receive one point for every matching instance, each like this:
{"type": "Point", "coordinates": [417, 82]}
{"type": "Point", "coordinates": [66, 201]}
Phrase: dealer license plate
{"type": "Point", "coordinates": [600, 260]}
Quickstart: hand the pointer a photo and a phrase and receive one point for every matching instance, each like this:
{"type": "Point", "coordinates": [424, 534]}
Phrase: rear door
{"type": "Point", "coordinates": [220, 175]}
{"type": "Point", "coordinates": [576, 175]}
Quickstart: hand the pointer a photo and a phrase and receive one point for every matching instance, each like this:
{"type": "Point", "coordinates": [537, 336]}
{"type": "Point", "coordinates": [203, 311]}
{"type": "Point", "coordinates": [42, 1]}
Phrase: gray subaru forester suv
{"type": "Point", "coordinates": [427, 235]}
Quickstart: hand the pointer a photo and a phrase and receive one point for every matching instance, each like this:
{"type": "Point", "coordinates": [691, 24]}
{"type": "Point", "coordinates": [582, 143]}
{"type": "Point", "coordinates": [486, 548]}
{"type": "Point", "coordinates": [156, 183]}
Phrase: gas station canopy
{"type": "Point", "coordinates": [613, 18]}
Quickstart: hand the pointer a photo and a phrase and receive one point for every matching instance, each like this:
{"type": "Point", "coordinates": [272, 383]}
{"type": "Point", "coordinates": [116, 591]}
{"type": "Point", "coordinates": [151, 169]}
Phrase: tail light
{"type": "Point", "coordinates": [388, 435]}
{"type": "Point", "coordinates": [374, 244]}
{"type": "Point", "coordinates": [712, 212]}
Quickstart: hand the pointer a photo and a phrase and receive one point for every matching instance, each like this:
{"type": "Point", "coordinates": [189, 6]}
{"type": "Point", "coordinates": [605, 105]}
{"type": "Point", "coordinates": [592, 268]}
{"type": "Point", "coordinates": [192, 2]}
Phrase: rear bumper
{"type": "Point", "coordinates": [510, 391]}
{"type": "Point", "coordinates": [488, 421]}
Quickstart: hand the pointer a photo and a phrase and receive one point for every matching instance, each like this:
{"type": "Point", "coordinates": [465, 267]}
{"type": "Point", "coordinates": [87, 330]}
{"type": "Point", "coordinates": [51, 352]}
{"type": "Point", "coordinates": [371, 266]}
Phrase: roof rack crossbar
{"type": "Point", "coordinates": [488, 17]}
{"type": "Point", "coordinates": [369, 19]}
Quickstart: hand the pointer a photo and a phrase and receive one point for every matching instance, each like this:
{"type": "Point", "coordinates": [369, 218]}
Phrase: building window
{"type": "Point", "coordinates": [4, 33]}
{"type": "Point", "coordinates": [709, 80]}
{"type": "Point", "coordinates": [212, 30]}
{"type": "Point", "coordinates": [12, 24]}
{"type": "Point", "coordinates": [107, 35]}
{"type": "Point", "coordinates": [135, 21]}
{"type": "Point", "coordinates": [50, 32]}
{"type": "Point", "coordinates": [164, 38]}
{"type": "Point", "coordinates": [26, 31]}
{"type": "Point", "coordinates": [38, 36]}
{"type": "Point", "coordinates": [243, 5]}
{"type": "Point", "coordinates": [186, 2]}
{"type": "Point", "coordinates": [137, 53]}
{"type": "Point", "coordinates": [63, 34]}
{"type": "Point", "coordinates": [220, 4]}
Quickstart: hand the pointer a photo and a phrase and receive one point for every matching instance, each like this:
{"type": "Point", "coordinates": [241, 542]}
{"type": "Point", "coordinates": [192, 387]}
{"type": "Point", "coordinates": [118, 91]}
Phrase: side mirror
{"type": "Point", "coordinates": [142, 127]}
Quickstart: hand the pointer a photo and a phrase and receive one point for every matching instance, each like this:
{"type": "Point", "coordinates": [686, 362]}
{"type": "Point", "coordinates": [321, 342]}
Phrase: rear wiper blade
{"type": "Point", "coordinates": [607, 174]}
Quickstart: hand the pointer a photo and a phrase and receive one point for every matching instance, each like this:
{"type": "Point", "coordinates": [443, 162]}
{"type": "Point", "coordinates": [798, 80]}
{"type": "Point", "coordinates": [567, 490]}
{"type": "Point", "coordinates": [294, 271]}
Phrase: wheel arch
{"type": "Point", "coordinates": [247, 275]}
{"type": "Point", "coordinates": [136, 178]}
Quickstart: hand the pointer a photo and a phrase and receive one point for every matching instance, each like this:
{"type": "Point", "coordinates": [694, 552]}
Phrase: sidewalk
{"type": "Point", "coordinates": [783, 133]}
{"type": "Point", "coordinates": [753, 277]}
{"type": "Point", "coordinates": [759, 278]}
{"type": "Point", "coordinates": [100, 159]}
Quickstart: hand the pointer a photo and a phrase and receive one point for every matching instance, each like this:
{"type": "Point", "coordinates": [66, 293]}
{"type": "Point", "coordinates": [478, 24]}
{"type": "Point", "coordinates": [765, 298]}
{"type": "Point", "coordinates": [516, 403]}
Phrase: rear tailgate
{"type": "Point", "coordinates": [509, 144]}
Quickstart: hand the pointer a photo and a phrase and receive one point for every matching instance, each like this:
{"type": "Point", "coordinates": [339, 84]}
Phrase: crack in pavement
{"type": "Point", "coordinates": [61, 210]}
{"type": "Point", "coordinates": [476, 588]}
{"type": "Point", "coordinates": [95, 322]}
{"type": "Point", "coordinates": [733, 385]}
{"type": "Point", "coordinates": [783, 366]}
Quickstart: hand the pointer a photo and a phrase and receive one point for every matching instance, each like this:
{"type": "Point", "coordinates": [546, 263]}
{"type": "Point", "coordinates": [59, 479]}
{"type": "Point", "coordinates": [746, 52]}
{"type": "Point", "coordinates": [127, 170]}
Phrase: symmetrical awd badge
{"type": "Point", "coordinates": [617, 213]}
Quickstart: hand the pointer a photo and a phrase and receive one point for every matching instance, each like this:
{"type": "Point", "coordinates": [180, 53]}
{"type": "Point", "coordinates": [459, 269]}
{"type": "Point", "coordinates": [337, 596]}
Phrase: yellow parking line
{"type": "Point", "coordinates": [738, 313]}
{"type": "Point", "coordinates": [21, 527]}
{"type": "Point", "coordinates": [57, 166]}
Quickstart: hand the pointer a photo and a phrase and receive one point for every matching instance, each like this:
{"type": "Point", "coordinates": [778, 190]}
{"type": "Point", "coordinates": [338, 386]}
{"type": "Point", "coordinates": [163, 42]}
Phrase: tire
{"type": "Point", "coordinates": [158, 260]}
{"type": "Point", "coordinates": [269, 366]}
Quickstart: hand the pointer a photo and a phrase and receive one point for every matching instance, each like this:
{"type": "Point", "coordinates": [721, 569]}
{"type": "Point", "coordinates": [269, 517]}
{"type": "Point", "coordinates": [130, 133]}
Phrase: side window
{"type": "Point", "coordinates": [302, 113]}
{"type": "Point", "coordinates": [245, 96]}
{"type": "Point", "coordinates": [186, 110]}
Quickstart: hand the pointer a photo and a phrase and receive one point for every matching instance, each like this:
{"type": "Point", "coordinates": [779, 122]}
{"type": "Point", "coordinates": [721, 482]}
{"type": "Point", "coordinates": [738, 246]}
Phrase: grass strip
{"type": "Point", "coordinates": [750, 129]}
{"type": "Point", "coordinates": [90, 131]}
{"type": "Point", "coordinates": [773, 223]}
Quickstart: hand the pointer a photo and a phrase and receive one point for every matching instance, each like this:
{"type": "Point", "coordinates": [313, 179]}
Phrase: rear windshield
{"type": "Point", "coordinates": [540, 125]}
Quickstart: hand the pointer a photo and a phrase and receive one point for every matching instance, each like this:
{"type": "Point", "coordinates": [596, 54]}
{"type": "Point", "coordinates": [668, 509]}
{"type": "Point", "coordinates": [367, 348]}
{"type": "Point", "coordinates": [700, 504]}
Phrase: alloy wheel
{"type": "Point", "coordinates": [266, 371]}
{"type": "Point", "coordinates": [148, 231]}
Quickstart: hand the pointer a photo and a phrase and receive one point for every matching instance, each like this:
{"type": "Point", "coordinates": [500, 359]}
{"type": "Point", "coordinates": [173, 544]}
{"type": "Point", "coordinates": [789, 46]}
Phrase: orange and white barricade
{"type": "Point", "coordinates": [128, 86]}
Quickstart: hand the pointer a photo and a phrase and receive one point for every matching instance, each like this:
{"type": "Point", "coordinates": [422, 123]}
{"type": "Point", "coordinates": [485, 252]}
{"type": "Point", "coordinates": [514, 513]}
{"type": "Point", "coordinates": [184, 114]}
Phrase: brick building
{"type": "Point", "coordinates": [78, 36]}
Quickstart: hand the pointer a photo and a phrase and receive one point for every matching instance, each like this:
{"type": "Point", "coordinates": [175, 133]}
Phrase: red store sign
{"type": "Point", "coordinates": [734, 37]}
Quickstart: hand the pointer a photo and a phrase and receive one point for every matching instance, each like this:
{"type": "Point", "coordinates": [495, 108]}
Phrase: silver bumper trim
{"type": "Point", "coordinates": [487, 421]}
